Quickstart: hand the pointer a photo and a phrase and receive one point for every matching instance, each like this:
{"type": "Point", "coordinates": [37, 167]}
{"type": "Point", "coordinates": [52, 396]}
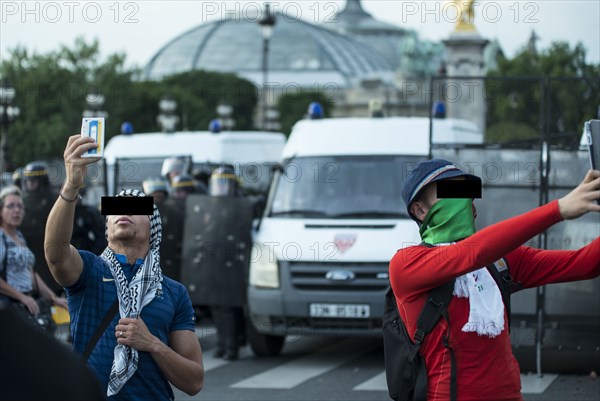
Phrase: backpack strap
{"type": "Point", "coordinates": [504, 280]}
{"type": "Point", "coordinates": [434, 309]}
{"type": "Point", "coordinates": [108, 317]}
{"type": "Point", "coordinates": [437, 302]}
{"type": "Point", "coordinates": [4, 272]}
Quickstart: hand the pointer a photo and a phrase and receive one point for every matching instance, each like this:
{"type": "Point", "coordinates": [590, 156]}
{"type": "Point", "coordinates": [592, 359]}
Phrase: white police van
{"type": "Point", "coordinates": [333, 220]}
{"type": "Point", "coordinates": [129, 159]}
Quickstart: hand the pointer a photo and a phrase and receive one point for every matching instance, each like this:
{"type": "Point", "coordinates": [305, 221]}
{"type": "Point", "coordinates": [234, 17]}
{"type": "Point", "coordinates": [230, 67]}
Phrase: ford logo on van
{"type": "Point", "coordinates": [339, 275]}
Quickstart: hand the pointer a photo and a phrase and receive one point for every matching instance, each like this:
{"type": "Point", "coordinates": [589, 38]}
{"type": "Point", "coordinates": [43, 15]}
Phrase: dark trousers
{"type": "Point", "coordinates": [230, 325]}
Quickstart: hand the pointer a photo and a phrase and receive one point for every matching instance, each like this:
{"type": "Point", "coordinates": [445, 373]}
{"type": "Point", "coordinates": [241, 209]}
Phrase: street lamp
{"type": "Point", "coordinates": [8, 113]}
{"type": "Point", "coordinates": [272, 120]}
{"type": "Point", "coordinates": [94, 102]}
{"type": "Point", "coordinates": [167, 119]}
{"type": "Point", "coordinates": [225, 111]}
{"type": "Point", "coordinates": [267, 22]}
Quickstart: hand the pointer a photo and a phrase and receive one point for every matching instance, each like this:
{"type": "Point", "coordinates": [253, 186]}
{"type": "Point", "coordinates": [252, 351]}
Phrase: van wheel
{"type": "Point", "coordinates": [264, 344]}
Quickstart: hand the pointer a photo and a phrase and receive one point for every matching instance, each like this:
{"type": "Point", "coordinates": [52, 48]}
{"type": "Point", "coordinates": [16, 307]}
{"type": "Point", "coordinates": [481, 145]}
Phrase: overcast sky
{"type": "Point", "coordinates": [140, 28]}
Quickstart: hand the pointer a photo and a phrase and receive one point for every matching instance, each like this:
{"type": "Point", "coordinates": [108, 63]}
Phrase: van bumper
{"type": "Point", "coordinates": [281, 313]}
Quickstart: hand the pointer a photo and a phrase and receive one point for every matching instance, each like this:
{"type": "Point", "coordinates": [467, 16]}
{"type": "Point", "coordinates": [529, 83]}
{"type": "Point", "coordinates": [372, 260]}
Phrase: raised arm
{"type": "Point", "coordinates": [63, 259]}
{"type": "Point", "coordinates": [489, 244]}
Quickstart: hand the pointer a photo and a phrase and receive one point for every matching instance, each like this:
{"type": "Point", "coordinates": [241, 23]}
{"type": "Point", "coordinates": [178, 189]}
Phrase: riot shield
{"type": "Point", "coordinates": [89, 229]}
{"type": "Point", "coordinates": [216, 249]}
{"type": "Point", "coordinates": [172, 213]}
{"type": "Point", "coordinates": [37, 208]}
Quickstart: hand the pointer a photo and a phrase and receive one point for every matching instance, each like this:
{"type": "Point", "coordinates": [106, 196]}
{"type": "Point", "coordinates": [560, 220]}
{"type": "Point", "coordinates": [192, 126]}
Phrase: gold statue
{"type": "Point", "coordinates": [466, 15]}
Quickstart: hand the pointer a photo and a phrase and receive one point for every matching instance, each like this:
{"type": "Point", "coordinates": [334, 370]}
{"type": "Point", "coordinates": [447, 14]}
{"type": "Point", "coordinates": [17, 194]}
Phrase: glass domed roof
{"type": "Point", "coordinates": [299, 52]}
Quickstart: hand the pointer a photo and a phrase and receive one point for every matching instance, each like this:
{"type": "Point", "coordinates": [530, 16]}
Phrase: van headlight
{"type": "Point", "coordinates": [264, 269]}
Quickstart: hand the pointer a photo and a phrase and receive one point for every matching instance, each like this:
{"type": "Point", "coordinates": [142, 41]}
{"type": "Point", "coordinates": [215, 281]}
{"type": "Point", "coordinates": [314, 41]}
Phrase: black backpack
{"type": "Point", "coordinates": [404, 366]}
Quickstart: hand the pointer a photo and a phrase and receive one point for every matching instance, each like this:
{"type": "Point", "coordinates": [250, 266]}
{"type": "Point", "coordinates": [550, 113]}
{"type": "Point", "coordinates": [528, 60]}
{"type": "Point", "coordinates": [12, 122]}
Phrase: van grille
{"type": "Point", "coordinates": [312, 276]}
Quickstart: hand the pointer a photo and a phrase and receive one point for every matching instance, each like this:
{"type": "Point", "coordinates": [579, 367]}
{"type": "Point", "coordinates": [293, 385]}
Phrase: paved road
{"type": "Point", "coordinates": [323, 369]}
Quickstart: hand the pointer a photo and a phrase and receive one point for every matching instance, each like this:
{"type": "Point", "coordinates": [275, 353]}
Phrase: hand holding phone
{"type": "Point", "coordinates": [591, 130]}
{"type": "Point", "coordinates": [94, 128]}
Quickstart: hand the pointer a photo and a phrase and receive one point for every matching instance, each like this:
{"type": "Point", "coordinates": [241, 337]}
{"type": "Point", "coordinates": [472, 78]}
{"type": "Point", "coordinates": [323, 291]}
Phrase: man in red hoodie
{"type": "Point", "coordinates": [478, 333]}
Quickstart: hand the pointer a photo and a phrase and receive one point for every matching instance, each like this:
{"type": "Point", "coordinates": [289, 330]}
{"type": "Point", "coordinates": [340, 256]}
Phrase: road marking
{"type": "Point", "coordinates": [299, 370]}
{"type": "Point", "coordinates": [210, 362]}
{"type": "Point", "coordinates": [375, 383]}
{"type": "Point", "coordinates": [532, 384]}
{"type": "Point", "coordinates": [203, 331]}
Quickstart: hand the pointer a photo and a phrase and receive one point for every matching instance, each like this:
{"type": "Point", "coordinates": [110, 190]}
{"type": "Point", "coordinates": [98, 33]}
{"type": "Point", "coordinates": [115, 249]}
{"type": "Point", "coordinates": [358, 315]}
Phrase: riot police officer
{"type": "Point", "coordinates": [35, 177]}
{"type": "Point", "coordinates": [172, 215]}
{"type": "Point", "coordinates": [173, 167]}
{"type": "Point", "coordinates": [38, 198]}
{"type": "Point", "coordinates": [17, 178]}
{"type": "Point", "coordinates": [88, 228]}
{"type": "Point", "coordinates": [229, 320]}
{"type": "Point", "coordinates": [184, 184]}
{"type": "Point", "coordinates": [156, 187]}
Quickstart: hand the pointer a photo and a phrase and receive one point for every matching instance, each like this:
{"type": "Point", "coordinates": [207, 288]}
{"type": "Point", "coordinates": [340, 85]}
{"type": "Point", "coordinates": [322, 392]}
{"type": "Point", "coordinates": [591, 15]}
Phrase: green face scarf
{"type": "Point", "coordinates": [448, 220]}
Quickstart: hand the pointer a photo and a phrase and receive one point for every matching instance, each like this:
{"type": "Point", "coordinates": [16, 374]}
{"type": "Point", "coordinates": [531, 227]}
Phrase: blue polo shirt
{"type": "Point", "coordinates": [90, 298]}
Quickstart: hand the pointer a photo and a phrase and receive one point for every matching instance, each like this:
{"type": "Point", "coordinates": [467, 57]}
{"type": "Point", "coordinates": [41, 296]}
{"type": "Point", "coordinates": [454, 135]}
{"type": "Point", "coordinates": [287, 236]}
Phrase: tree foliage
{"type": "Point", "coordinates": [551, 92]}
{"type": "Point", "coordinates": [51, 89]}
{"type": "Point", "coordinates": [214, 88]}
{"type": "Point", "coordinates": [294, 106]}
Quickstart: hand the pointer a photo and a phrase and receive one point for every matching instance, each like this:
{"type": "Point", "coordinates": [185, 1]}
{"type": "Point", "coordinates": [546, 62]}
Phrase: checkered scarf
{"type": "Point", "coordinates": [133, 296]}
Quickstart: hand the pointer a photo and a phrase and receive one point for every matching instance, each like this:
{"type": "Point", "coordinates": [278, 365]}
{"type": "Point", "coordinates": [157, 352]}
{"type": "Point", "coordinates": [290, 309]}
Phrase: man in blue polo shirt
{"type": "Point", "coordinates": [151, 341]}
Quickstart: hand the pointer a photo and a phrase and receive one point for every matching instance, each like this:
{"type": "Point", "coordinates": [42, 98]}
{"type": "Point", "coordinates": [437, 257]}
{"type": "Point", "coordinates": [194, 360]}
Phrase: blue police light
{"type": "Point", "coordinates": [439, 110]}
{"type": "Point", "coordinates": [315, 111]}
{"type": "Point", "coordinates": [126, 128]}
{"type": "Point", "coordinates": [215, 126]}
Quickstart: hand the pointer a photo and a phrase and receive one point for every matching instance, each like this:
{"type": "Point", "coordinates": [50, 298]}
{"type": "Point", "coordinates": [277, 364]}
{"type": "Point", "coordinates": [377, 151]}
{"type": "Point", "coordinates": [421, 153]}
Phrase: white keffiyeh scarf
{"type": "Point", "coordinates": [486, 308]}
{"type": "Point", "coordinates": [133, 296]}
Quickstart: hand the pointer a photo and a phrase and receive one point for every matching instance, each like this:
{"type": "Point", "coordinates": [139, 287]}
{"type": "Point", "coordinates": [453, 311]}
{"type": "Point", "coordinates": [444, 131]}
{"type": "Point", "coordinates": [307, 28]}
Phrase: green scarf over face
{"type": "Point", "coordinates": [448, 220]}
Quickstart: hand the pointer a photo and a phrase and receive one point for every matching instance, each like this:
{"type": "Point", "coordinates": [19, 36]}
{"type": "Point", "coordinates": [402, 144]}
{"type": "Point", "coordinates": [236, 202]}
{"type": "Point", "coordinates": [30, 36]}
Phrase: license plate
{"type": "Point", "coordinates": [340, 310]}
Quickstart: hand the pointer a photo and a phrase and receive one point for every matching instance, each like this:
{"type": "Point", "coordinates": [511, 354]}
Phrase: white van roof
{"type": "Point", "coordinates": [225, 147]}
{"type": "Point", "coordinates": [373, 136]}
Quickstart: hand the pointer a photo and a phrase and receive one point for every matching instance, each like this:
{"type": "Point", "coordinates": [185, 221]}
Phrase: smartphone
{"type": "Point", "coordinates": [591, 129]}
{"type": "Point", "coordinates": [94, 128]}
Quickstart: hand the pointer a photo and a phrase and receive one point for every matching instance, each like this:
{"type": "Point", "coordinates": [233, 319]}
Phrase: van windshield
{"type": "Point", "coordinates": [368, 187]}
{"type": "Point", "coordinates": [131, 172]}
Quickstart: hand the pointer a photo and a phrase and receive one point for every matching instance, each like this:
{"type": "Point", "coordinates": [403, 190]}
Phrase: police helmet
{"type": "Point", "coordinates": [223, 182]}
{"type": "Point", "coordinates": [35, 172]}
{"type": "Point", "coordinates": [183, 185]}
{"type": "Point", "coordinates": [17, 177]}
{"type": "Point", "coordinates": [156, 184]}
{"type": "Point", "coordinates": [172, 165]}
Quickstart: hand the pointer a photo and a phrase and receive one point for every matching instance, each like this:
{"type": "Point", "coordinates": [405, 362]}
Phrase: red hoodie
{"type": "Point", "coordinates": [486, 367]}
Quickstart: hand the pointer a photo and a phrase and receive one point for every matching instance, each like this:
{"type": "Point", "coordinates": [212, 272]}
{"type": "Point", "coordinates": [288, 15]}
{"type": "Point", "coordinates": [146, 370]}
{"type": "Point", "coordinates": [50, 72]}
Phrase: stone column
{"type": "Point", "coordinates": [464, 97]}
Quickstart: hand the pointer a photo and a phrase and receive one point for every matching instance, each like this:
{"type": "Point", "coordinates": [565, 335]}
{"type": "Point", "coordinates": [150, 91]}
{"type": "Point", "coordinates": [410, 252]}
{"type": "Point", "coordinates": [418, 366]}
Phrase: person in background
{"type": "Point", "coordinates": [229, 320]}
{"type": "Point", "coordinates": [88, 230]}
{"type": "Point", "coordinates": [182, 186]}
{"type": "Point", "coordinates": [18, 281]}
{"type": "Point", "coordinates": [38, 196]}
{"type": "Point", "coordinates": [172, 213]}
{"type": "Point", "coordinates": [17, 178]}
{"type": "Point", "coordinates": [156, 187]}
{"type": "Point", "coordinates": [172, 167]}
